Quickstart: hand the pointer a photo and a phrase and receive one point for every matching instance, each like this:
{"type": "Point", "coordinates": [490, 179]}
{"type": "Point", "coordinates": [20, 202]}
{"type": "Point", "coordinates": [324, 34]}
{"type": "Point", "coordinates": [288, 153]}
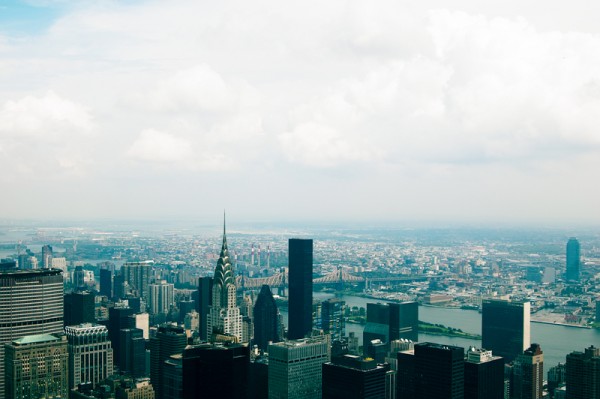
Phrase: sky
{"type": "Point", "coordinates": [343, 111]}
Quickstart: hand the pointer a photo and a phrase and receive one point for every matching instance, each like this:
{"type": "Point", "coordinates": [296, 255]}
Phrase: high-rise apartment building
{"type": "Point", "coordinates": [484, 375]}
{"type": "Point", "coordinates": [505, 327]}
{"type": "Point", "coordinates": [583, 374]}
{"type": "Point", "coordinates": [573, 260]}
{"type": "Point", "coordinates": [431, 371]}
{"type": "Point", "coordinates": [224, 317]}
{"type": "Point", "coordinates": [528, 374]}
{"type": "Point", "coordinates": [353, 377]}
{"type": "Point", "coordinates": [79, 307]}
{"type": "Point", "coordinates": [32, 303]}
{"type": "Point", "coordinates": [295, 368]}
{"type": "Point", "coordinates": [169, 340]}
{"type": "Point", "coordinates": [216, 370]}
{"type": "Point", "coordinates": [90, 354]}
{"type": "Point", "coordinates": [37, 367]}
{"type": "Point", "coordinates": [137, 275]}
{"type": "Point", "coordinates": [160, 297]}
{"type": "Point", "coordinates": [300, 288]}
{"type": "Point", "coordinates": [266, 319]}
{"type": "Point", "coordinates": [391, 321]}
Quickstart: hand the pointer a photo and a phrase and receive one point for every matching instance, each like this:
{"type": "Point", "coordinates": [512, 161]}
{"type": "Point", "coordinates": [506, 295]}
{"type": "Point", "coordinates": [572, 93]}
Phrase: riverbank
{"type": "Point", "coordinates": [439, 329]}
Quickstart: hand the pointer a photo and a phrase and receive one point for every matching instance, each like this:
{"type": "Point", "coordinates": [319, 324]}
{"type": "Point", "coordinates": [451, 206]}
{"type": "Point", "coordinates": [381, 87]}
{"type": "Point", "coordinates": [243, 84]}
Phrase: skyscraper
{"type": "Point", "coordinates": [137, 275]}
{"type": "Point", "coordinates": [505, 327]}
{"type": "Point", "coordinates": [80, 307]}
{"type": "Point", "coordinates": [203, 303]}
{"type": "Point", "coordinates": [106, 282]}
{"type": "Point", "coordinates": [266, 319]}
{"type": "Point", "coordinates": [484, 375]}
{"type": "Point", "coordinates": [300, 288]}
{"type": "Point", "coordinates": [390, 322]}
{"type": "Point", "coordinates": [132, 352]}
{"type": "Point", "coordinates": [90, 354]}
{"type": "Point", "coordinates": [216, 371]}
{"type": "Point", "coordinates": [32, 303]}
{"type": "Point", "coordinates": [224, 316]}
{"type": "Point", "coordinates": [37, 367]}
{"type": "Point", "coordinates": [583, 374]}
{"type": "Point", "coordinates": [295, 368]}
{"type": "Point", "coordinates": [528, 375]}
{"type": "Point", "coordinates": [332, 318]}
{"type": "Point", "coordinates": [169, 340]}
{"type": "Point", "coordinates": [573, 260]}
{"type": "Point", "coordinates": [435, 372]}
{"type": "Point", "coordinates": [353, 377]}
{"type": "Point", "coordinates": [119, 317]}
{"type": "Point", "coordinates": [160, 297]}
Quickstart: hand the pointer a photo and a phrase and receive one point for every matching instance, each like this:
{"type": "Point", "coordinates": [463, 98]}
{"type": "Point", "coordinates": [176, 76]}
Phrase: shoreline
{"type": "Point", "coordinates": [561, 324]}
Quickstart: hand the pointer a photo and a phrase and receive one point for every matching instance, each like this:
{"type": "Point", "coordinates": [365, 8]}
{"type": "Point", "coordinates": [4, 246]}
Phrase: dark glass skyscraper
{"type": "Point", "coordinates": [505, 327]}
{"type": "Point", "coordinates": [203, 303]}
{"type": "Point", "coordinates": [389, 322]}
{"type": "Point", "coordinates": [266, 319]}
{"type": "Point", "coordinates": [106, 283]}
{"type": "Point", "coordinates": [300, 282]}
{"type": "Point", "coordinates": [79, 308]}
{"type": "Point", "coordinates": [215, 371]}
{"type": "Point", "coordinates": [169, 340]}
{"type": "Point", "coordinates": [352, 377]}
{"type": "Point", "coordinates": [583, 374]}
{"type": "Point", "coordinates": [573, 260]}
{"type": "Point", "coordinates": [484, 375]}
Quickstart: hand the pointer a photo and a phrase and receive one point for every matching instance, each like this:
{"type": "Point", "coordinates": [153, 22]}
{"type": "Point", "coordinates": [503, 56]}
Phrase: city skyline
{"type": "Point", "coordinates": [422, 111]}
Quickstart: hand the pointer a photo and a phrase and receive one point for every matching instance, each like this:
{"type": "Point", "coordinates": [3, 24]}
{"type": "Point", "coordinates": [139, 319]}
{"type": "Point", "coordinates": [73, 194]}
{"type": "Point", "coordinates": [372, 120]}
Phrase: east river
{"type": "Point", "coordinates": [556, 340]}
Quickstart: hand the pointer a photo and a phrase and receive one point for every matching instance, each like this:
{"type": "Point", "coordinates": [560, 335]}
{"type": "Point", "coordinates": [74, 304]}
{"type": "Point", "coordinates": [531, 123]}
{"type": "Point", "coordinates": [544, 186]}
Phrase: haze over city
{"type": "Point", "coordinates": [338, 111]}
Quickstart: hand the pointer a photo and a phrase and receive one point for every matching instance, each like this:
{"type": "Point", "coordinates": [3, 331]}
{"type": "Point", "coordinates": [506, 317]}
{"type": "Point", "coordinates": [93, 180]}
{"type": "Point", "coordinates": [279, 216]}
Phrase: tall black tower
{"type": "Point", "coordinates": [300, 295]}
{"type": "Point", "coordinates": [266, 319]}
{"type": "Point", "coordinates": [203, 298]}
{"type": "Point", "coordinates": [79, 308]}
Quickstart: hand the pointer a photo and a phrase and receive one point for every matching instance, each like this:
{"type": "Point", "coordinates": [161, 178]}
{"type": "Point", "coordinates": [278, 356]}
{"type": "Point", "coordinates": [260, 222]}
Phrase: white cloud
{"type": "Point", "coordinates": [155, 146]}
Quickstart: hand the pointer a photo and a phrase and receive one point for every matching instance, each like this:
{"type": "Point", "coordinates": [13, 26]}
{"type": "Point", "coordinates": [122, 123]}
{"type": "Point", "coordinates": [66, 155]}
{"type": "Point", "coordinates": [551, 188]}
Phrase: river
{"type": "Point", "coordinates": [556, 341]}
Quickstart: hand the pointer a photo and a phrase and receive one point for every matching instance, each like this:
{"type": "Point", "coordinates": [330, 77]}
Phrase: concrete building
{"type": "Point", "coordinates": [32, 303]}
{"type": "Point", "coordinates": [90, 354]}
{"type": "Point", "coordinates": [295, 368]}
{"type": "Point", "coordinates": [37, 367]}
{"type": "Point", "coordinates": [528, 374]}
{"type": "Point", "coordinates": [160, 297]}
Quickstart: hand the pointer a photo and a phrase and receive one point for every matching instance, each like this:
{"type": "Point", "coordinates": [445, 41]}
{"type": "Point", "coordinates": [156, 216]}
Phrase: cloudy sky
{"type": "Point", "coordinates": [301, 111]}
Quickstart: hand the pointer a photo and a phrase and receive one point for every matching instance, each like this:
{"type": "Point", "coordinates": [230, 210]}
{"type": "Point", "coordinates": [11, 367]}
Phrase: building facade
{"type": "Point", "coordinates": [37, 367]}
{"type": "Point", "coordinates": [266, 319]}
{"type": "Point", "coordinates": [31, 303]}
{"type": "Point", "coordinates": [300, 287]}
{"type": "Point", "coordinates": [295, 368]}
{"type": "Point", "coordinates": [583, 374]}
{"type": "Point", "coordinates": [169, 340]}
{"type": "Point", "coordinates": [505, 327]}
{"type": "Point", "coordinates": [573, 260]}
{"type": "Point", "coordinates": [528, 374]}
{"type": "Point", "coordinates": [354, 377]}
{"type": "Point", "coordinates": [90, 354]}
{"type": "Point", "coordinates": [484, 375]}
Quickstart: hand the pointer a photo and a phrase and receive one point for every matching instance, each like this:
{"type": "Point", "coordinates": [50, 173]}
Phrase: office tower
{"type": "Point", "coordinates": [583, 374]}
{"type": "Point", "coordinates": [557, 376]}
{"type": "Point", "coordinates": [106, 283]}
{"type": "Point", "coordinates": [266, 319]}
{"type": "Point", "coordinates": [132, 353]}
{"type": "Point", "coordinates": [79, 277]}
{"type": "Point", "coordinates": [224, 318]}
{"type": "Point", "coordinates": [258, 378]}
{"type": "Point", "coordinates": [505, 327]}
{"type": "Point", "coordinates": [46, 256]}
{"type": "Point", "coordinates": [169, 340]}
{"type": "Point", "coordinates": [173, 377]}
{"type": "Point", "coordinates": [434, 371]}
{"type": "Point", "coordinates": [119, 284]}
{"type": "Point", "coordinates": [136, 304]}
{"type": "Point", "coordinates": [376, 349]}
{"type": "Point", "coordinates": [90, 354]}
{"type": "Point", "coordinates": [218, 371]}
{"type": "Point", "coordinates": [295, 368]}
{"type": "Point", "coordinates": [37, 367]}
{"type": "Point", "coordinates": [137, 275]}
{"type": "Point", "coordinates": [573, 260]}
{"type": "Point", "coordinates": [79, 307]}
{"type": "Point", "coordinates": [390, 322]}
{"type": "Point", "coordinates": [353, 377]}
{"type": "Point", "coordinates": [332, 318]}
{"type": "Point", "coordinates": [160, 297]}
{"type": "Point", "coordinates": [203, 303]}
{"type": "Point", "coordinates": [484, 375]}
{"type": "Point", "coordinates": [300, 288]}
{"type": "Point", "coordinates": [32, 303]}
{"type": "Point", "coordinates": [528, 374]}
{"type": "Point", "coordinates": [142, 321]}
{"type": "Point", "coordinates": [118, 318]}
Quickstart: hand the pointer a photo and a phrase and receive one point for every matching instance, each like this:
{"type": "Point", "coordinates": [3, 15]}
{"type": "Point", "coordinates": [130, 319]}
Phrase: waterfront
{"type": "Point", "coordinates": [556, 341]}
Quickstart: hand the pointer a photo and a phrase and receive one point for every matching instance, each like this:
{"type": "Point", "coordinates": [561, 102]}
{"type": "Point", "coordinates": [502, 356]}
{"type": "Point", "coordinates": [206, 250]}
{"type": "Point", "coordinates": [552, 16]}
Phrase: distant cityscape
{"type": "Point", "coordinates": [334, 312]}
